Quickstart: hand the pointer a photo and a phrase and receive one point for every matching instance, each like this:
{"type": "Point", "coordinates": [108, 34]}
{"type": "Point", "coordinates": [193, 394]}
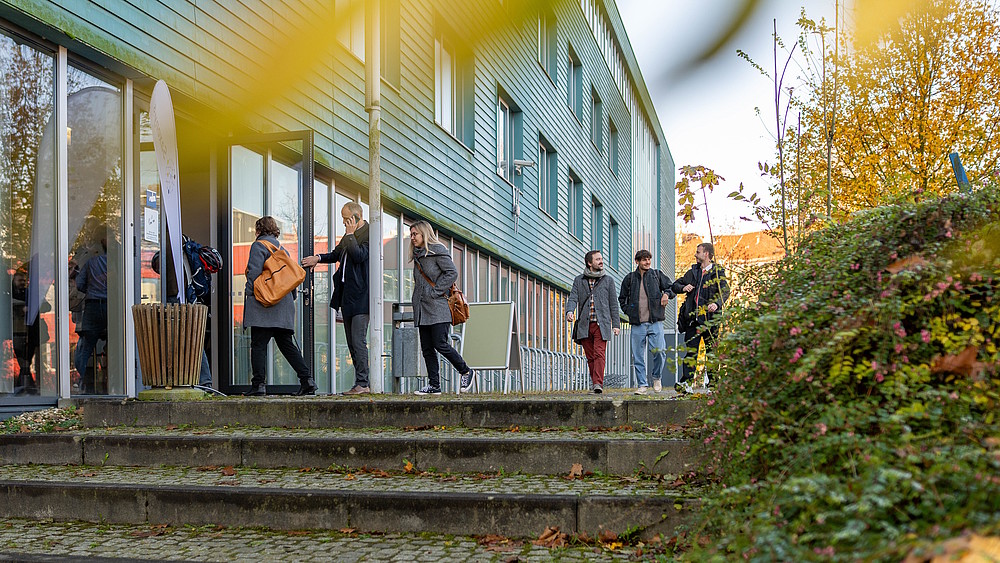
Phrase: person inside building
{"type": "Point", "coordinates": [707, 291]}
{"type": "Point", "coordinates": [350, 289]}
{"type": "Point", "coordinates": [28, 334]}
{"type": "Point", "coordinates": [92, 281]}
{"type": "Point", "coordinates": [433, 274]}
{"type": "Point", "coordinates": [276, 321]}
{"type": "Point", "coordinates": [643, 296]}
{"type": "Point", "coordinates": [593, 305]}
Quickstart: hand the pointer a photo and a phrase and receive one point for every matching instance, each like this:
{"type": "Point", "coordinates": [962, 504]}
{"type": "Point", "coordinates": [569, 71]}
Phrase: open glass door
{"type": "Point", "coordinates": [266, 175]}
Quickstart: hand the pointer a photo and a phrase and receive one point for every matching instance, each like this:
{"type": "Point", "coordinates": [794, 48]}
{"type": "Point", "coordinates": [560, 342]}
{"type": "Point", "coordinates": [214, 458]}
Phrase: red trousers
{"type": "Point", "coordinates": [593, 347]}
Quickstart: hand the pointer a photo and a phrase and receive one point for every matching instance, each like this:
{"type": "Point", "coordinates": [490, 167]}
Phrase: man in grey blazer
{"type": "Point", "coordinates": [594, 302]}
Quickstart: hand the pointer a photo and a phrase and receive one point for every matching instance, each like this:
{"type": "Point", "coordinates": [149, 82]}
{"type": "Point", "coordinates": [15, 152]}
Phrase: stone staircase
{"type": "Point", "coordinates": [454, 465]}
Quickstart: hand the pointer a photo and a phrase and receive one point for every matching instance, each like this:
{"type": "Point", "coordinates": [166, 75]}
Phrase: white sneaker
{"type": "Point", "coordinates": [657, 387]}
{"type": "Point", "coordinates": [642, 390]}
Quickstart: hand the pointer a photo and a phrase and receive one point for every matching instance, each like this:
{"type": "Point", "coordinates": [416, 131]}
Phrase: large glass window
{"type": "Point", "coordinates": [484, 278]}
{"type": "Point", "coordinates": [27, 220]}
{"type": "Point", "coordinates": [470, 275]}
{"type": "Point", "coordinates": [94, 141]}
{"type": "Point", "coordinates": [322, 286]}
{"type": "Point", "coordinates": [247, 193]}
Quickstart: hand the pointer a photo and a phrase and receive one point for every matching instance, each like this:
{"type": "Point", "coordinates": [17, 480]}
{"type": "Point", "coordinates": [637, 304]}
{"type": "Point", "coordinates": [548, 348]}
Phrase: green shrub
{"type": "Point", "coordinates": [857, 413]}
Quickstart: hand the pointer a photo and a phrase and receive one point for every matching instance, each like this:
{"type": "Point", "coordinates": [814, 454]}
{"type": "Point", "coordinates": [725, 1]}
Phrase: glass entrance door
{"type": "Point", "coordinates": [267, 175]}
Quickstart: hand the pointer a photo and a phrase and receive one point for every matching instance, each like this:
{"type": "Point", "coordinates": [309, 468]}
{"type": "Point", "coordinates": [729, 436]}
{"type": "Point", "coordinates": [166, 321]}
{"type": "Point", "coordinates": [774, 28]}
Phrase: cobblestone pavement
{"type": "Point", "coordinates": [208, 543]}
{"type": "Point", "coordinates": [615, 395]}
{"type": "Point", "coordinates": [333, 480]}
{"type": "Point", "coordinates": [436, 433]}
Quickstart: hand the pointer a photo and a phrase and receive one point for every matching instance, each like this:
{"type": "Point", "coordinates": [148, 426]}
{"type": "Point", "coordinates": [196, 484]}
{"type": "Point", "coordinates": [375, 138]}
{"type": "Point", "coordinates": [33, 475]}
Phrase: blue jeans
{"type": "Point", "coordinates": [651, 333]}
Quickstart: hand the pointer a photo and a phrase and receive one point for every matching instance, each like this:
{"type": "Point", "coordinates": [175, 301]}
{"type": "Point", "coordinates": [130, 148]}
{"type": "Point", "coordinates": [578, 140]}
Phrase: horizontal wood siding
{"type": "Point", "coordinates": [212, 53]}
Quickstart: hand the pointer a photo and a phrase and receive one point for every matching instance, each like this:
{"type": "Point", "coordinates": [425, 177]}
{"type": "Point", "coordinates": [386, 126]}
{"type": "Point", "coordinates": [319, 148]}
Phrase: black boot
{"type": "Point", "coordinates": [258, 390]}
{"type": "Point", "coordinates": [307, 386]}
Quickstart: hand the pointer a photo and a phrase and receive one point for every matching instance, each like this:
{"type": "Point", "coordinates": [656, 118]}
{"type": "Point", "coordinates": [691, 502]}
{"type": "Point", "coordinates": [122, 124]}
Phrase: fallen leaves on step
{"type": "Point", "coordinates": [347, 530]}
{"type": "Point", "coordinates": [575, 472]}
{"type": "Point", "coordinates": [407, 466]}
{"type": "Point", "coordinates": [87, 474]}
{"type": "Point", "coordinates": [206, 468]}
{"type": "Point", "coordinates": [228, 471]}
{"type": "Point", "coordinates": [349, 477]}
{"type": "Point", "coordinates": [498, 544]}
{"type": "Point", "coordinates": [551, 537]}
{"type": "Point", "coordinates": [170, 427]}
{"type": "Point", "coordinates": [157, 530]}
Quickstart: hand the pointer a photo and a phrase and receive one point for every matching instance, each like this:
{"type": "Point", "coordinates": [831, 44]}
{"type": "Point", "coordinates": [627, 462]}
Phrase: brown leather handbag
{"type": "Point", "coordinates": [457, 303]}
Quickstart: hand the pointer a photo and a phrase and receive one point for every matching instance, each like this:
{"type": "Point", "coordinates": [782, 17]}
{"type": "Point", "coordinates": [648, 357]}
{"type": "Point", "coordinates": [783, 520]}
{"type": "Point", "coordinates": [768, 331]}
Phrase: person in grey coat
{"type": "Point", "coordinates": [433, 273]}
{"type": "Point", "coordinates": [277, 321]}
{"type": "Point", "coordinates": [593, 301]}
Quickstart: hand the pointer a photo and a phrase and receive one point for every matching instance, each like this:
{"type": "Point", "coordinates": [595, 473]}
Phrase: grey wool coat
{"type": "Point", "coordinates": [605, 305]}
{"type": "Point", "coordinates": [282, 314]}
{"type": "Point", "coordinates": [430, 302]}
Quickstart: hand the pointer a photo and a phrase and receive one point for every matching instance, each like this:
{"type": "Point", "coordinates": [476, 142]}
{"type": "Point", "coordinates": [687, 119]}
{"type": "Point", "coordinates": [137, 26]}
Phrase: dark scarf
{"type": "Point", "coordinates": [595, 274]}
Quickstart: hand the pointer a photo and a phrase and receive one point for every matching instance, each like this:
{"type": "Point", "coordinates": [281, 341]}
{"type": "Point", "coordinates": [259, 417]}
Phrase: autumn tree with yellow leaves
{"type": "Point", "coordinates": [924, 87]}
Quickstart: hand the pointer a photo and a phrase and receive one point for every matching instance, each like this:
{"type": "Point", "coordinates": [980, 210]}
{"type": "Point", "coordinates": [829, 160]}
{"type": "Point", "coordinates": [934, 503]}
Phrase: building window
{"type": "Point", "coordinates": [548, 195]}
{"type": "Point", "coordinates": [596, 225]}
{"type": "Point", "coordinates": [574, 192]}
{"type": "Point", "coordinates": [389, 37]}
{"type": "Point", "coordinates": [508, 138]}
{"type": "Point", "coordinates": [547, 42]}
{"type": "Point", "coordinates": [614, 252]}
{"type": "Point", "coordinates": [453, 88]}
{"type": "Point", "coordinates": [351, 27]}
{"type": "Point", "coordinates": [505, 141]}
{"type": "Point", "coordinates": [596, 121]}
{"type": "Point", "coordinates": [444, 84]}
{"type": "Point", "coordinates": [612, 146]}
{"type": "Point", "coordinates": [574, 84]}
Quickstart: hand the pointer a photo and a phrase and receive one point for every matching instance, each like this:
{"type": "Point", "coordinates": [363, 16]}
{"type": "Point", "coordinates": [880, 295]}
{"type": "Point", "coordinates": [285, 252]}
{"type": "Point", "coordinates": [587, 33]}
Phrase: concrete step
{"type": "Point", "coordinates": [455, 450]}
{"type": "Point", "coordinates": [33, 541]}
{"type": "Point", "coordinates": [373, 411]}
{"type": "Point", "coordinates": [375, 501]}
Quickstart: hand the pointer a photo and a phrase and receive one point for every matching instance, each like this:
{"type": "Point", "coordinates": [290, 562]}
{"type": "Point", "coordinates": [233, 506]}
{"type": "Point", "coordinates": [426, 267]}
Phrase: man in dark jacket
{"type": "Point", "coordinates": [350, 290]}
{"type": "Point", "coordinates": [643, 295]}
{"type": "Point", "coordinates": [707, 291]}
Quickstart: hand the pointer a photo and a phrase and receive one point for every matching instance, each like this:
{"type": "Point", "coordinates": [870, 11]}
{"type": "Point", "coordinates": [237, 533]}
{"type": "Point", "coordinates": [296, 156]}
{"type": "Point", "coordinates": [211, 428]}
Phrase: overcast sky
{"type": "Point", "coordinates": [708, 114]}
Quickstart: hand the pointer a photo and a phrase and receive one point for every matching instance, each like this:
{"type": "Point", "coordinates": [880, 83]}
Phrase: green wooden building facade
{"type": "Point", "coordinates": [522, 130]}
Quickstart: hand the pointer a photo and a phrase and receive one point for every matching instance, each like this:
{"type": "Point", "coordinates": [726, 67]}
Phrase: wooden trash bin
{"type": "Point", "coordinates": [170, 339]}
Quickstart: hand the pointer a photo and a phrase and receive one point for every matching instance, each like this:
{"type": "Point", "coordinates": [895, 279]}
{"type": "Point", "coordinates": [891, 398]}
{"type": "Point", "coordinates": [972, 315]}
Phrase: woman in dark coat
{"type": "Point", "coordinates": [433, 273]}
{"type": "Point", "coordinates": [277, 321]}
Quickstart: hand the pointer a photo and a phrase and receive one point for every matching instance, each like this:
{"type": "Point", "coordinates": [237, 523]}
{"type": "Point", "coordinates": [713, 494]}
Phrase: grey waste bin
{"type": "Point", "coordinates": [404, 345]}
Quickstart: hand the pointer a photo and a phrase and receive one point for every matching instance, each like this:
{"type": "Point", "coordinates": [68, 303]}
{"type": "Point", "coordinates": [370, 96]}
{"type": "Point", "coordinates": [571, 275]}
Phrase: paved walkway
{"type": "Point", "coordinates": [339, 480]}
{"type": "Point", "coordinates": [207, 543]}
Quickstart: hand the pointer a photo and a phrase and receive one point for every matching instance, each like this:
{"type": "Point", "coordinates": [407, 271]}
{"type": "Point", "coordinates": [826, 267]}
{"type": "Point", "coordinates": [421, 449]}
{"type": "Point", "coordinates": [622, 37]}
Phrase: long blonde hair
{"type": "Point", "coordinates": [426, 233]}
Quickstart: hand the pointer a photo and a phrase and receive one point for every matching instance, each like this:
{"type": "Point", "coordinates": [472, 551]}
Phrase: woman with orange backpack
{"type": "Point", "coordinates": [276, 321]}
